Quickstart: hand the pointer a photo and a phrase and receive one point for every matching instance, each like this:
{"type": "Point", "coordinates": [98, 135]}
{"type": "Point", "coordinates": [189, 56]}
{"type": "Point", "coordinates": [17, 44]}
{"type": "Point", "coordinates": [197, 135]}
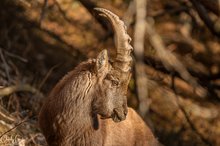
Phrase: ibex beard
{"type": "Point", "coordinates": [78, 109]}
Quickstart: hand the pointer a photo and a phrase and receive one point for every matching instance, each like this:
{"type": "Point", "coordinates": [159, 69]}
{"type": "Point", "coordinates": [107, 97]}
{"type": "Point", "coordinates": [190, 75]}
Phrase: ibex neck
{"type": "Point", "coordinates": [85, 125]}
{"type": "Point", "coordinates": [78, 125]}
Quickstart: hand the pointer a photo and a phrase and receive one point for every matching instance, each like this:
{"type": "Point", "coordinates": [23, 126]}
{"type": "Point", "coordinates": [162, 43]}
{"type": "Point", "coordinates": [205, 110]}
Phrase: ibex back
{"type": "Point", "coordinates": [88, 107]}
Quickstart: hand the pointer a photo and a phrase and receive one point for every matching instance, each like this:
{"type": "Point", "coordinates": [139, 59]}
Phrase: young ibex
{"type": "Point", "coordinates": [78, 110]}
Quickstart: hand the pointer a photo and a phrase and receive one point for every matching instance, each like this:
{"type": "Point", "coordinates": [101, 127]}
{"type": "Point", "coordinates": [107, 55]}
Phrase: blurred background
{"type": "Point", "coordinates": [176, 71]}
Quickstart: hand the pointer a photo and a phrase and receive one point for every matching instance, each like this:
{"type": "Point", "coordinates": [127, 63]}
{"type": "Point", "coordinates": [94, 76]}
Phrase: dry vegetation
{"type": "Point", "coordinates": [180, 60]}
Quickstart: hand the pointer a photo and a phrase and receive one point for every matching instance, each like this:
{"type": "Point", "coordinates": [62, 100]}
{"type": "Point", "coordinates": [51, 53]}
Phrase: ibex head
{"type": "Point", "coordinates": [111, 88]}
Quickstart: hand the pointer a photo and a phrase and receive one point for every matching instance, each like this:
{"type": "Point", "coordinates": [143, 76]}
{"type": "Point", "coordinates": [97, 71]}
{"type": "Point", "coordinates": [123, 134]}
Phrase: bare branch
{"type": "Point", "coordinates": [24, 120]}
{"type": "Point", "coordinates": [16, 88]}
{"type": "Point", "coordinates": [15, 56]}
{"type": "Point", "coordinates": [140, 76]}
{"type": "Point", "coordinates": [181, 87]}
{"type": "Point", "coordinates": [170, 61]}
{"type": "Point", "coordinates": [43, 10]}
{"type": "Point", "coordinates": [212, 5]}
{"type": "Point", "coordinates": [187, 117]}
{"type": "Point", "coordinates": [5, 64]}
{"type": "Point", "coordinates": [205, 17]}
{"type": "Point", "coordinates": [47, 76]}
{"type": "Point", "coordinates": [5, 115]}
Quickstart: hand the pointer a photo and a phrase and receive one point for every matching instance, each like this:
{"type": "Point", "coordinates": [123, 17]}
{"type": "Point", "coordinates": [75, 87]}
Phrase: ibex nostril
{"type": "Point", "coordinates": [125, 112]}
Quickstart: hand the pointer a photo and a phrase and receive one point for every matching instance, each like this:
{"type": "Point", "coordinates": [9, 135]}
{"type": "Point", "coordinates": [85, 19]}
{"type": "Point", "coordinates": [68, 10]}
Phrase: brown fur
{"type": "Point", "coordinates": [88, 107]}
{"type": "Point", "coordinates": [66, 118]}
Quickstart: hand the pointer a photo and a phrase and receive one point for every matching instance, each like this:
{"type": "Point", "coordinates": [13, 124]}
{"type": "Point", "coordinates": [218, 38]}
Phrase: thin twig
{"type": "Point", "coordinates": [5, 64]}
{"type": "Point", "coordinates": [5, 115]}
{"type": "Point", "coordinates": [43, 10]}
{"type": "Point", "coordinates": [16, 56]}
{"type": "Point", "coordinates": [47, 76]}
{"type": "Point", "coordinates": [24, 120]}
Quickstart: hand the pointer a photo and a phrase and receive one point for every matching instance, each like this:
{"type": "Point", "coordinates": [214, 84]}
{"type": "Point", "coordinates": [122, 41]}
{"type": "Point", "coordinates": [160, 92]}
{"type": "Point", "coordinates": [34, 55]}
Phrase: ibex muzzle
{"type": "Point", "coordinates": [78, 110]}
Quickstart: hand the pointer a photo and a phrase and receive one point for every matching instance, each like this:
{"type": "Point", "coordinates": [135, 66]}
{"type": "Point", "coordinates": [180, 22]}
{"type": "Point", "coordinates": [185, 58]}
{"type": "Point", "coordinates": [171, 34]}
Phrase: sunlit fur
{"type": "Point", "coordinates": [88, 107]}
{"type": "Point", "coordinates": [67, 117]}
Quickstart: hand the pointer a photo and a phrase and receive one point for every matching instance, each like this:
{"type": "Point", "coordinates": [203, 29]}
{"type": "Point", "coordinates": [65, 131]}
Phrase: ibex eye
{"type": "Point", "coordinates": [115, 83]}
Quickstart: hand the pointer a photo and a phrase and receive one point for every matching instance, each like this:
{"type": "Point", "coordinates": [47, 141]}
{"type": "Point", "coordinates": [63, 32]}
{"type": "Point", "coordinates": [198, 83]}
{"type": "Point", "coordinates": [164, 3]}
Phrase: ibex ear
{"type": "Point", "coordinates": [102, 63]}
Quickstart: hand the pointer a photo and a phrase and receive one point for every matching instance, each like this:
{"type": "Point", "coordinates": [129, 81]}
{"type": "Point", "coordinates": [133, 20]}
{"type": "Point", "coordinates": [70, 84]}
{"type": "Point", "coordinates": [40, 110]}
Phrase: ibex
{"type": "Point", "coordinates": [88, 107]}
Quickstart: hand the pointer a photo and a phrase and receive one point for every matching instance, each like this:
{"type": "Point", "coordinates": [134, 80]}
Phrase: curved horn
{"type": "Point", "coordinates": [122, 40]}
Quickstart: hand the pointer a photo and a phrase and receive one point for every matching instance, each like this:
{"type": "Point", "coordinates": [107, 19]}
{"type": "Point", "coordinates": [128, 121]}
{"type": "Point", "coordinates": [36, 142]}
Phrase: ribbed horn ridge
{"type": "Point", "coordinates": [122, 41]}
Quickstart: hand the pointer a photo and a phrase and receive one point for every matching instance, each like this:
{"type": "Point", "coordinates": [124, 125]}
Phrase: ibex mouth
{"type": "Point", "coordinates": [118, 115]}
